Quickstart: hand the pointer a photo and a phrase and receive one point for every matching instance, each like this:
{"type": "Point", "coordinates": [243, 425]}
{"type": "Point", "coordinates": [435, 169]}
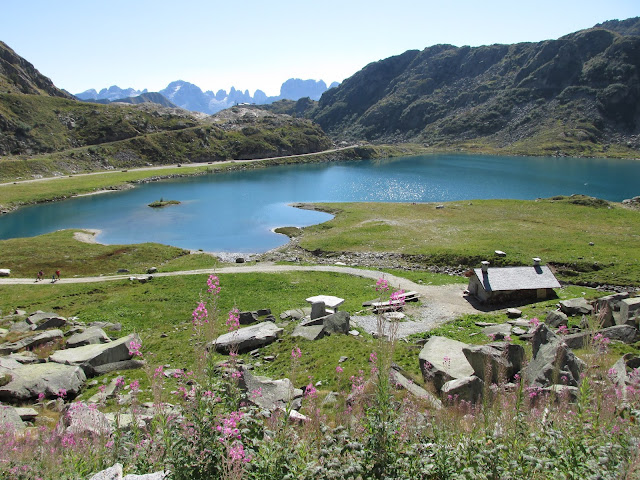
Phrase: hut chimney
{"type": "Point", "coordinates": [485, 266]}
{"type": "Point", "coordinates": [536, 262]}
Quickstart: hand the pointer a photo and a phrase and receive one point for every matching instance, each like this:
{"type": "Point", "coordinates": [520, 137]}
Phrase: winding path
{"type": "Point", "coordinates": [443, 302]}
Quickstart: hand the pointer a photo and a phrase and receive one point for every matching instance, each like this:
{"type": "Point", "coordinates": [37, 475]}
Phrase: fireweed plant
{"type": "Point", "coordinates": [207, 427]}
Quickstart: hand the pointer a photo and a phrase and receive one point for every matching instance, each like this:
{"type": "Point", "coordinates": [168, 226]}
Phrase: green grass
{"type": "Point", "coordinates": [60, 250]}
{"type": "Point", "coordinates": [467, 232]}
{"type": "Point", "coordinates": [164, 306]}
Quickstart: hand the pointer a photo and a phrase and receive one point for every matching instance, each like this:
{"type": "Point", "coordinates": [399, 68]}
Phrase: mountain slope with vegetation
{"type": "Point", "coordinates": [44, 130]}
{"type": "Point", "coordinates": [579, 94]}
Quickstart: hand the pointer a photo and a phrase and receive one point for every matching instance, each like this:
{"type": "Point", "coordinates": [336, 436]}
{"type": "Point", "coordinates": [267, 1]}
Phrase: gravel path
{"type": "Point", "coordinates": [439, 303]}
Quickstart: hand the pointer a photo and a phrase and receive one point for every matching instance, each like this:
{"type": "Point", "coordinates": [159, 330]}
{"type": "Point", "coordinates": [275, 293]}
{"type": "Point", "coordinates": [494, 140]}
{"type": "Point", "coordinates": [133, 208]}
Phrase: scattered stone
{"type": "Point", "coordinates": [514, 313]}
{"type": "Point", "coordinates": [49, 378]}
{"type": "Point", "coordinates": [563, 392]}
{"type": "Point", "coordinates": [5, 272]}
{"type": "Point", "coordinates": [497, 332]}
{"type": "Point", "coordinates": [240, 260]}
{"type": "Point", "coordinates": [576, 306]}
{"type": "Point", "coordinates": [485, 324]}
{"type": "Point", "coordinates": [552, 360]}
{"type": "Point", "coordinates": [354, 333]}
{"type": "Point", "coordinates": [270, 394]}
{"type": "Point", "coordinates": [123, 270]}
{"type": "Point", "coordinates": [45, 321]}
{"type": "Point", "coordinates": [311, 332]}
{"type": "Point", "coordinates": [500, 253]}
{"type": "Point", "coordinates": [27, 414]}
{"type": "Point", "coordinates": [90, 336]}
{"type": "Point", "coordinates": [248, 338]}
{"type": "Point", "coordinates": [556, 318]}
{"type": "Point", "coordinates": [269, 358]}
{"type": "Point", "coordinates": [25, 357]}
{"type": "Point", "coordinates": [336, 323]}
{"type": "Point", "coordinates": [609, 306]}
{"type": "Point", "coordinates": [31, 342]}
{"type": "Point", "coordinates": [522, 323]}
{"type": "Point", "coordinates": [109, 391]}
{"type": "Point", "coordinates": [468, 389]}
{"type": "Point", "coordinates": [131, 364]}
{"type": "Point", "coordinates": [152, 270]}
{"type": "Point", "coordinates": [263, 311]}
{"type": "Point", "coordinates": [247, 318]}
{"type": "Point", "coordinates": [295, 314]}
{"type": "Point", "coordinates": [442, 359]}
{"type": "Point", "coordinates": [417, 391]}
{"type": "Point", "coordinates": [115, 473]}
{"type": "Point", "coordinates": [91, 356]}
{"type": "Point", "coordinates": [518, 331]}
{"type": "Point", "coordinates": [331, 398]}
{"type": "Point", "coordinates": [495, 362]}
{"type": "Point", "coordinates": [629, 311]}
{"type": "Point", "coordinates": [10, 419]}
{"type": "Point", "coordinates": [343, 359]}
{"type": "Point", "coordinates": [82, 419]}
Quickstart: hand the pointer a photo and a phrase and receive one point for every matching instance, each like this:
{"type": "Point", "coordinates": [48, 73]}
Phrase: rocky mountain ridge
{"type": "Point", "coordinates": [579, 94]}
{"type": "Point", "coordinates": [190, 97]}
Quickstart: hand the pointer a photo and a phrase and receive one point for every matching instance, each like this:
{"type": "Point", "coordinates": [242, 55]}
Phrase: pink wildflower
{"type": "Point", "coordinates": [382, 285]}
{"type": "Point", "coordinates": [339, 369]}
{"type": "Point", "coordinates": [200, 314]}
{"type": "Point", "coordinates": [310, 391]}
{"type": "Point", "coordinates": [213, 284]}
{"type": "Point", "coordinates": [159, 371]}
{"type": "Point", "coordinates": [233, 320]}
{"type": "Point", "coordinates": [134, 386]}
{"type": "Point", "coordinates": [62, 393]}
{"type": "Point", "coordinates": [134, 348]}
{"type": "Point", "coordinates": [397, 298]}
{"type": "Point", "coordinates": [373, 358]}
{"type": "Point", "coordinates": [295, 352]}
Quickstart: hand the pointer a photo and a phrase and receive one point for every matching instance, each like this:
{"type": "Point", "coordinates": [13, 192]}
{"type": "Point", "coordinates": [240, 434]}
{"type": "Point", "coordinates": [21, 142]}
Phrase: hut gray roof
{"type": "Point", "coordinates": [516, 278]}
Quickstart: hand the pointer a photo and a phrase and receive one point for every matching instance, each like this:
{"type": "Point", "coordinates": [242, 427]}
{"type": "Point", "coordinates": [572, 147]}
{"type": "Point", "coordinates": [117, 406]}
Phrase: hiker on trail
{"type": "Point", "coordinates": [58, 274]}
{"type": "Point", "coordinates": [53, 278]}
{"type": "Point", "coordinates": [40, 275]}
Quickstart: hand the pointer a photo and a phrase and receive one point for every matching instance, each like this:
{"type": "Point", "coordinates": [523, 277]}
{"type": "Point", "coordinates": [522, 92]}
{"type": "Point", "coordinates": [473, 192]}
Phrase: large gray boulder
{"type": "Point", "coordinates": [10, 420]}
{"type": "Point", "coordinates": [608, 307]}
{"type": "Point", "coordinates": [576, 306]}
{"type": "Point", "coordinates": [28, 381]}
{"type": "Point", "coordinates": [621, 333]}
{"type": "Point", "coordinates": [336, 323]}
{"type": "Point", "coordinates": [248, 338]}
{"type": "Point", "coordinates": [91, 336]}
{"type": "Point", "coordinates": [495, 362]}
{"type": "Point", "coordinates": [31, 342]}
{"type": "Point", "coordinates": [82, 419]}
{"type": "Point", "coordinates": [311, 333]}
{"type": "Point", "coordinates": [553, 361]}
{"type": "Point", "coordinates": [556, 318]}
{"type": "Point", "coordinates": [270, 394]}
{"type": "Point", "coordinates": [442, 359]}
{"type": "Point", "coordinates": [91, 356]}
{"type": "Point", "coordinates": [414, 389]}
{"type": "Point", "coordinates": [45, 321]}
{"type": "Point", "coordinates": [623, 371]}
{"type": "Point", "coordinates": [115, 473]}
{"type": "Point", "coordinates": [468, 389]}
{"type": "Point", "coordinates": [629, 311]}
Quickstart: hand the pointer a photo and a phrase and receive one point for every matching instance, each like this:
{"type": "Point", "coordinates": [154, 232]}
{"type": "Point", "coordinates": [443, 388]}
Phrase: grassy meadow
{"type": "Point", "coordinates": [560, 231]}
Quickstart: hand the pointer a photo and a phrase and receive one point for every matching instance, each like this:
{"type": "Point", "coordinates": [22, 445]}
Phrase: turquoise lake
{"type": "Point", "coordinates": [236, 211]}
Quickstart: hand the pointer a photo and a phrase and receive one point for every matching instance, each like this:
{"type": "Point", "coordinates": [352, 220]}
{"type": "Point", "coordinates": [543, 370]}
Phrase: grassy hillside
{"type": "Point", "coordinates": [578, 95]}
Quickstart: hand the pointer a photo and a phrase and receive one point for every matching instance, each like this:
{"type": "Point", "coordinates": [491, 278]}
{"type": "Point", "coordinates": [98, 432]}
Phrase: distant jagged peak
{"type": "Point", "coordinates": [17, 75]}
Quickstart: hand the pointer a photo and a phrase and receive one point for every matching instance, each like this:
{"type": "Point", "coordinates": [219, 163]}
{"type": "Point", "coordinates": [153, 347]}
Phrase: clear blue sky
{"type": "Point", "coordinates": [254, 44]}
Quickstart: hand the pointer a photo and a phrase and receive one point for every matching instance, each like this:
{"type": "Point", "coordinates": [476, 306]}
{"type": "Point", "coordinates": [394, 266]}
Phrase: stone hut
{"type": "Point", "coordinates": [502, 285]}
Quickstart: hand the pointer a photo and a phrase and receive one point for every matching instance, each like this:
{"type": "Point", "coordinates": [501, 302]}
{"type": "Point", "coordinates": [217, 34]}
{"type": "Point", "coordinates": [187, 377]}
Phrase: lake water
{"type": "Point", "coordinates": [236, 211]}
